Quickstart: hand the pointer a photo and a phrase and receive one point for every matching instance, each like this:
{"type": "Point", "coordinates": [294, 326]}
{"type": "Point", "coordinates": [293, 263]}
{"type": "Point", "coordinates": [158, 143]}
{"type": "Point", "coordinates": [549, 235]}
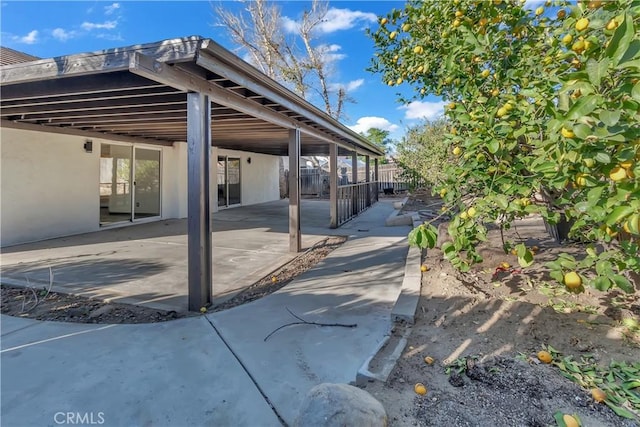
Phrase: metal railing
{"type": "Point", "coordinates": [355, 198]}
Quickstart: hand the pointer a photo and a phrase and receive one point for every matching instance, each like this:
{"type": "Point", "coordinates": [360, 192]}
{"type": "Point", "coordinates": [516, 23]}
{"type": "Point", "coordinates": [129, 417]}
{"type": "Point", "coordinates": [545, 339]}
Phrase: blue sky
{"type": "Point", "coordinates": [47, 29]}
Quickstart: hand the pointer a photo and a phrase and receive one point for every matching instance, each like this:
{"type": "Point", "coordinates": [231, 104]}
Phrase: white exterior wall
{"type": "Point", "coordinates": [49, 185]}
{"type": "Point", "coordinates": [259, 180]}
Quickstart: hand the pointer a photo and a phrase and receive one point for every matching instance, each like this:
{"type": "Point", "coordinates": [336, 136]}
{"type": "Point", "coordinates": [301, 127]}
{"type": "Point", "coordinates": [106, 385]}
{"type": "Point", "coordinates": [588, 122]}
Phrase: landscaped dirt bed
{"type": "Point", "coordinates": [484, 329]}
{"type": "Point", "coordinates": [41, 304]}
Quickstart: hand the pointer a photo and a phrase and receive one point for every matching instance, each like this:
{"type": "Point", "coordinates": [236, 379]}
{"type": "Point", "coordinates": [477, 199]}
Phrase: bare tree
{"type": "Point", "coordinates": [258, 30]}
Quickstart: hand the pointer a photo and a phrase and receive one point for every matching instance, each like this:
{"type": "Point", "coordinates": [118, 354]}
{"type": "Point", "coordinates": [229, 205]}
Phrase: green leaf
{"type": "Point", "coordinates": [635, 92]}
{"type": "Point", "coordinates": [597, 70]}
{"type": "Point", "coordinates": [526, 260]}
{"type": "Point", "coordinates": [581, 131]}
{"type": "Point", "coordinates": [493, 146]}
{"type": "Point", "coordinates": [621, 40]}
{"type": "Point", "coordinates": [610, 118]}
{"type": "Point", "coordinates": [602, 283]}
{"type": "Point", "coordinates": [583, 107]}
{"type": "Point", "coordinates": [623, 283]}
{"type": "Point", "coordinates": [618, 214]}
{"type": "Point", "coordinates": [603, 157]}
{"type": "Point", "coordinates": [449, 250]}
{"type": "Point", "coordinates": [620, 411]}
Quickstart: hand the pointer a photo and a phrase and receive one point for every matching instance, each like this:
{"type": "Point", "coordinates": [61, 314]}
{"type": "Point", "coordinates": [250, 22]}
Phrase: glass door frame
{"type": "Point", "coordinates": [132, 219]}
{"type": "Point", "coordinates": [225, 160]}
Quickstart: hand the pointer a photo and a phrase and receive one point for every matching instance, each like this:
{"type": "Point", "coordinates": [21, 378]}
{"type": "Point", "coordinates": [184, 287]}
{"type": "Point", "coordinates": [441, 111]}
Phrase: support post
{"type": "Point", "coordinates": [367, 172]}
{"type": "Point", "coordinates": [354, 180]}
{"type": "Point", "coordinates": [295, 237]}
{"type": "Point", "coordinates": [199, 213]}
{"type": "Point", "coordinates": [376, 176]}
{"type": "Point", "coordinates": [333, 184]}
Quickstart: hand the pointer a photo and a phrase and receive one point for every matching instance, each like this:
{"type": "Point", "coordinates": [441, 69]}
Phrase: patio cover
{"type": "Point", "coordinates": [181, 90]}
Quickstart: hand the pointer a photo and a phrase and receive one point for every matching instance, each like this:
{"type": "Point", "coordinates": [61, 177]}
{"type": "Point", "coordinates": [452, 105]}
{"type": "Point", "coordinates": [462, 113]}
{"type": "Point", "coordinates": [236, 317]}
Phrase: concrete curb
{"type": "Point", "coordinates": [402, 316]}
{"type": "Point", "coordinates": [395, 219]}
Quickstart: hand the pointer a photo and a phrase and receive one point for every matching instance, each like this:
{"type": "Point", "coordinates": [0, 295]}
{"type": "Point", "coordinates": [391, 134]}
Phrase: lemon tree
{"type": "Point", "coordinates": [543, 111]}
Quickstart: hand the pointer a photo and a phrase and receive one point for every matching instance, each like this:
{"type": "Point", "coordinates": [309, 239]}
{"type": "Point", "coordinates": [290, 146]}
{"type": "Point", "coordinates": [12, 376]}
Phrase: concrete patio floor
{"type": "Point", "coordinates": [146, 264]}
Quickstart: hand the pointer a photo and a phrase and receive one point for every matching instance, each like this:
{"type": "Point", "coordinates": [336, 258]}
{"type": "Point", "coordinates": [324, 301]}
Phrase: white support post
{"type": "Point", "coordinates": [354, 181]}
{"type": "Point", "coordinates": [199, 213]}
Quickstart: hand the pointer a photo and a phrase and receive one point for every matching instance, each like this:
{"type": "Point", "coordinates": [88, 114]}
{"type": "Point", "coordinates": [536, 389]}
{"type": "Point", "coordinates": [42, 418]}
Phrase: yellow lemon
{"type": "Point", "coordinates": [539, 11]}
{"type": "Point", "coordinates": [463, 215]}
{"type": "Point", "coordinates": [384, 21]}
{"type": "Point", "coordinates": [418, 50]}
{"type": "Point", "coordinates": [545, 356]}
{"type": "Point", "coordinates": [471, 212]}
{"type": "Point", "coordinates": [572, 280]}
{"type": "Point", "coordinates": [567, 133]}
{"type": "Point", "coordinates": [598, 395]}
{"type": "Point", "coordinates": [485, 73]}
{"type": "Point", "coordinates": [457, 151]}
{"type": "Point", "coordinates": [582, 24]}
{"type": "Point", "coordinates": [452, 106]}
{"type": "Point", "coordinates": [618, 174]}
{"type": "Point", "coordinates": [393, 35]}
{"type": "Point", "coordinates": [424, 268]}
{"type": "Point", "coordinates": [501, 112]}
{"type": "Point", "coordinates": [567, 39]}
{"type": "Point", "coordinates": [406, 27]}
{"type": "Point", "coordinates": [420, 389]}
{"type": "Point", "coordinates": [612, 25]}
{"type": "Point", "coordinates": [570, 421]}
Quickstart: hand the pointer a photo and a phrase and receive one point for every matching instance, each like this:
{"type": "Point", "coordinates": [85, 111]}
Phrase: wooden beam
{"type": "Point", "coordinates": [78, 132]}
{"type": "Point", "coordinates": [295, 237]}
{"type": "Point", "coordinates": [199, 214]}
{"type": "Point", "coordinates": [110, 60]}
{"type": "Point", "coordinates": [171, 76]}
{"type": "Point", "coordinates": [333, 184]}
{"type": "Point", "coordinates": [220, 61]}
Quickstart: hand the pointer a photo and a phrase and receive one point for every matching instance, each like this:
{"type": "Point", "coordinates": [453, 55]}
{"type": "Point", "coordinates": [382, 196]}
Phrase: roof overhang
{"type": "Point", "coordinates": [138, 94]}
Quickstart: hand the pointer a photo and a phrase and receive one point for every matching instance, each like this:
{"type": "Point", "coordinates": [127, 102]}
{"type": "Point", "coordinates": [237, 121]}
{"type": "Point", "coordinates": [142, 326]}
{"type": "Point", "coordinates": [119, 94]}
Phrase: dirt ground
{"type": "Point", "coordinates": [484, 328]}
{"type": "Point", "coordinates": [41, 304]}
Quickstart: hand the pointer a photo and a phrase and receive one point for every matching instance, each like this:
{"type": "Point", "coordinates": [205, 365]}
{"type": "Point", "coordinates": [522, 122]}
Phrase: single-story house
{"type": "Point", "coordinates": [173, 129]}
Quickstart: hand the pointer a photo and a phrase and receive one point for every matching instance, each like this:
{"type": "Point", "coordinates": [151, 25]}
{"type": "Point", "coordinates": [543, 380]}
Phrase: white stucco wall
{"type": "Point", "coordinates": [49, 185]}
{"type": "Point", "coordinates": [258, 179]}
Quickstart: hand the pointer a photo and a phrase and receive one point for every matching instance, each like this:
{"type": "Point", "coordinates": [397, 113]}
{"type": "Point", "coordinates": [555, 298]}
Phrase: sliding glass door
{"type": "Point", "coordinates": [129, 183]}
{"type": "Point", "coordinates": [228, 178]}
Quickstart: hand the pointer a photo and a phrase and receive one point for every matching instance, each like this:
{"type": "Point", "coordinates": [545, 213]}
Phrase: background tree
{"type": "Point", "coordinates": [541, 102]}
{"type": "Point", "coordinates": [258, 32]}
{"type": "Point", "coordinates": [423, 151]}
{"type": "Point", "coordinates": [379, 137]}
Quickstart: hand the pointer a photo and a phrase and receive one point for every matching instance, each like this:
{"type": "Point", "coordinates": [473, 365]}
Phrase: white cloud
{"type": "Point", "coordinates": [30, 38]}
{"type": "Point", "coordinates": [423, 110]}
{"type": "Point", "coordinates": [289, 25]}
{"type": "Point", "coordinates": [348, 87]}
{"type": "Point", "coordinates": [107, 25]}
{"type": "Point", "coordinates": [344, 19]}
{"type": "Point", "coordinates": [334, 20]}
{"type": "Point", "coordinates": [62, 34]}
{"type": "Point", "coordinates": [363, 124]}
{"type": "Point", "coordinates": [329, 52]}
{"type": "Point", "coordinates": [108, 10]}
